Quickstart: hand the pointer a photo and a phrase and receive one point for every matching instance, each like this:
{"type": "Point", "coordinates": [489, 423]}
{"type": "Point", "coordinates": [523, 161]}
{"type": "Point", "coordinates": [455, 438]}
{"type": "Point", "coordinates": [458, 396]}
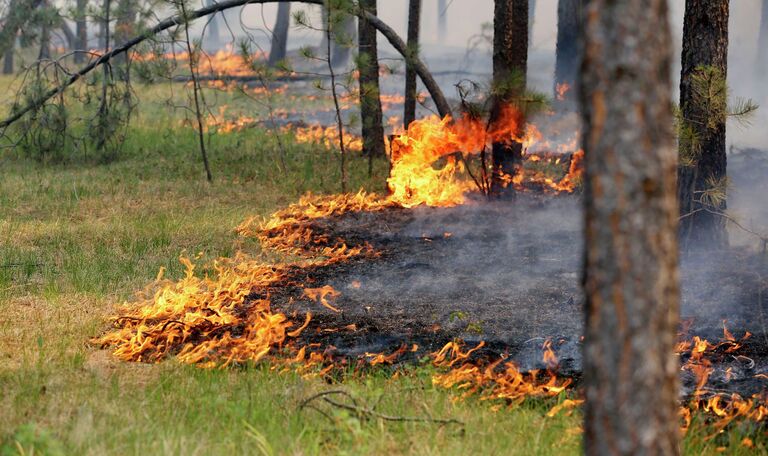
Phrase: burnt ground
{"type": "Point", "coordinates": [509, 275]}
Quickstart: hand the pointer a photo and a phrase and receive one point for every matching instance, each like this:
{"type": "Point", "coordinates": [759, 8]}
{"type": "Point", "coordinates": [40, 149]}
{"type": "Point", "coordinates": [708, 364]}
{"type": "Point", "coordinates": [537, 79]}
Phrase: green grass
{"type": "Point", "coordinates": [78, 238]}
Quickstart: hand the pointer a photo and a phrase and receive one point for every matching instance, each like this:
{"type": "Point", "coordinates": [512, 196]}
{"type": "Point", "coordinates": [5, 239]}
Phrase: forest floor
{"type": "Point", "coordinates": [79, 238]}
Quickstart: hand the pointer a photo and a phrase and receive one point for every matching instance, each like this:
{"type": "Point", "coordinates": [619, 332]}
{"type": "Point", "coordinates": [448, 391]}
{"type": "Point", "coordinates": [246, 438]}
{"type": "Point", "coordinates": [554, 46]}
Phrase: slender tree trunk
{"type": "Point", "coordinates": [762, 44]}
{"type": "Point", "coordinates": [213, 34]}
{"type": "Point", "coordinates": [370, 101]}
{"type": "Point", "coordinates": [531, 19]}
{"type": "Point", "coordinates": [567, 53]}
{"type": "Point", "coordinates": [339, 121]}
{"type": "Point", "coordinates": [45, 37]}
{"type": "Point", "coordinates": [414, 24]}
{"type": "Point", "coordinates": [124, 29]}
{"type": "Point", "coordinates": [81, 30]}
{"type": "Point", "coordinates": [344, 36]}
{"type": "Point", "coordinates": [8, 62]}
{"type": "Point", "coordinates": [631, 276]}
{"type": "Point", "coordinates": [277, 50]}
{"type": "Point", "coordinates": [442, 20]}
{"type": "Point", "coordinates": [510, 63]}
{"type": "Point", "coordinates": [704, 58]}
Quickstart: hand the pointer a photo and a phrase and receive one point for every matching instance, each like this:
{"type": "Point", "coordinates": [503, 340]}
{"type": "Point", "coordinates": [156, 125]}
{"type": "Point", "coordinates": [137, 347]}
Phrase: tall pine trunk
{"type": "Point", "coordinates": [414, 24]}
{"type": "Point", "coordinates": [567, 51]}
{"type": "Point", "coordinates": [81, 30]}
{"type": "Point", "coordinates": [510, 63]}
{"type": "Point", "coordinates": [277, 50]}
{"type": "Point", "coordinates": [124, 30]}
{"type": "Point", "coordinates": [8, 62]}
{"type": "Point", "coordinates": [701, 176]}
{"type": "Point", "coordinates": [531, 19]}
{"type": "Point", "coordinates": [631, 276]}
{"type": "Point", "coordinates": [370, 101]}
{"type": "Point", "coordinates": [45, 36]}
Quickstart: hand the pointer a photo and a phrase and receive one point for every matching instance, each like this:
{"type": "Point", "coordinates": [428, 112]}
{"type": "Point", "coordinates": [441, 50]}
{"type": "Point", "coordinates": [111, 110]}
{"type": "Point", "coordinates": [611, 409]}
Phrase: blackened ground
{"type": "Point", "coordinates": [508, 273]}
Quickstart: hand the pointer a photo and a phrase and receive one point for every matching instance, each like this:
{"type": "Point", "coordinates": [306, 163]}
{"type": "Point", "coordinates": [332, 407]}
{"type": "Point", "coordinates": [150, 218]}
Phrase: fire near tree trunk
{"type": "Point", "coordinates": [703, 99]}
{"type": "Point", "coordinates": [567, 54]}
{"type": "Point", "coordinates": [280, 34]}
{"type": "Point", "coordinates": [370, 103]}
{"type": "Point", "coordinates": [510, 62]}
{"type": "Point", "coordinates": [631, 276]}
{"type": "Point", "coordinates": [414, 24]}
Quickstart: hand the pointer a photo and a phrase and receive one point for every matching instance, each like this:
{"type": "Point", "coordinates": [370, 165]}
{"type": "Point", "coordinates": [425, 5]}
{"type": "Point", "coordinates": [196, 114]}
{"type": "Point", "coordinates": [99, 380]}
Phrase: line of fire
{"type": "Point", "coordinates": [534, 209]}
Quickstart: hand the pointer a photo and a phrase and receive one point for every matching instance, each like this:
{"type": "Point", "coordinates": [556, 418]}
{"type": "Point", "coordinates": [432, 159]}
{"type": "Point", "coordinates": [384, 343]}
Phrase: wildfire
{"type": "Point", "coordinates": [561, 89]}
{"type": "Point", "coordinates": [430, 160]}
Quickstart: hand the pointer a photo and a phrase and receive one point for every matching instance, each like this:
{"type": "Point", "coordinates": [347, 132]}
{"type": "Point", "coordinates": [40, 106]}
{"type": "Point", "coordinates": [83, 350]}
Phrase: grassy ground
{"type": "Point", "coordinates": [79, 238]}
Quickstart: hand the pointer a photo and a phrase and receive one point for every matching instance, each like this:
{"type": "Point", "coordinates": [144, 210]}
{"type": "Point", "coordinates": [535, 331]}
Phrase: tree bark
{"type": "Point", "coordinates": [277, 50]}
{"type": "Point", "coordinates": [567, 52]}
{"type": "Point", "coordinates": [631, 276]}
{"type": "Point", "coordinates": [81, 30]}
{"type": "Point", "coordinates": [705, 48]}
{"type": "Point", "coordinates": [443, 108]}
{"type": "Point", "coordinates": [510, 64]}
{"type": "Point", "coordinates": [414, 24]}
{"type": "Point", "coordinates": [370, 101]}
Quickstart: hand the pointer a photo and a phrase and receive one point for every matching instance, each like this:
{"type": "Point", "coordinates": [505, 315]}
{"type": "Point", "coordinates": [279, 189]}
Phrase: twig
{"type": "Point", "coordinates": [196, 95]}
{"type": "Point", "coordinates": [364, 412]}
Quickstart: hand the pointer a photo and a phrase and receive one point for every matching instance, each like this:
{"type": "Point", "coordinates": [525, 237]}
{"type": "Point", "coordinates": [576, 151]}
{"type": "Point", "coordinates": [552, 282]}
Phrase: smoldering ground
{"type": "Point", "coordinates": [508, 273]}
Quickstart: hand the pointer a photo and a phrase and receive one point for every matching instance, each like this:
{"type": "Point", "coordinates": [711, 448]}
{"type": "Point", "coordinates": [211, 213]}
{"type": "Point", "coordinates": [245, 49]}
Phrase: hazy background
{"type": "Point", "coordinates": [466, 17]}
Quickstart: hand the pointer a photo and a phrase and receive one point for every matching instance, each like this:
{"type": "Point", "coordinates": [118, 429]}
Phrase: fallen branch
{"type": "Point", "coordinates": [364, 412]}
{"type": "Point", "coordinates": [426, 77]}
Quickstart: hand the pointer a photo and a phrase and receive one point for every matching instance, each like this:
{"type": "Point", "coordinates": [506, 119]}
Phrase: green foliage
{"type": "Point", "coordinates": [710, 99]}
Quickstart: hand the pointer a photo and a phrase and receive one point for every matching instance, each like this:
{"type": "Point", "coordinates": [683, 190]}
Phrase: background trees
{"type": "Point", "coordinates": [703, 112]}
{"type": "Point", "coordinates": [510, 63]}
{"type": "Point", "coordinates": [370, 101]}
{"type": "Point", "coordinates": [631, 277]}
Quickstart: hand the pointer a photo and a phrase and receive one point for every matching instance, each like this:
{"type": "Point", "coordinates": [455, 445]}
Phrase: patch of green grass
{"type": "Point", "coordinates": [78, 238]}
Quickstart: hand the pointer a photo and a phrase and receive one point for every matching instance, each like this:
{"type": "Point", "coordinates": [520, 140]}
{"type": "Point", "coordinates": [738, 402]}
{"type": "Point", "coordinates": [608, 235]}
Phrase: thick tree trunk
{"type": "Point", "coordinates": [277, 50]}
{"type": "Point", "coordinates": [510, 63]}
{"type": "Point", "coordinates": [442, 20]}
{"type": "Point", "coordinates": [414, 24]}
{"type": "Point", "coordinates": [567, 53]}
{"type": "Point", "coordinates": [370, 102]}
{"type": "Point", "coordinates": [631, 276]}
{"type": "Point", "coordinates": [704, 58]}
{"type": "Point", "coordinates": [81, 30]}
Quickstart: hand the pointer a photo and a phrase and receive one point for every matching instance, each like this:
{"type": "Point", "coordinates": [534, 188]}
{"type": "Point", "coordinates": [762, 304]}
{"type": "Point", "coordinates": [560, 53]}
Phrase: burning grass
{"type": "Point", "coordinates": [227, 317]}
